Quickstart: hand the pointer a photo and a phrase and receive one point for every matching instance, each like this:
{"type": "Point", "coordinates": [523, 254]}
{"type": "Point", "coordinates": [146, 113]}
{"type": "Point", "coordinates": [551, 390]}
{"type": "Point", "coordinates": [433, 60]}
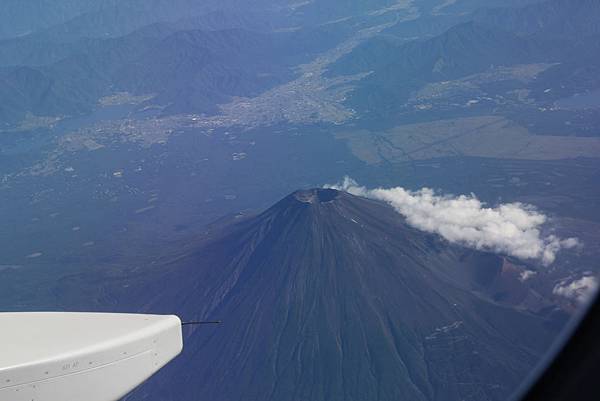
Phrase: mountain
{"type": "Point", "coordinates": [573, 29]}
{"type": "Point", "coordinates": [328, 296]}
{"type": "Point", "coordinates": [192, 70]}
{"type": "Point", "coordinates": [26, 90]}
{"type": "Point", "coordinates": [114, 18]}
{"type": "Point", "coordinates": [449, 46]}
{"type": "Point", "coordinates": [553, 18]}
{"type": "Point", "coordinates": [461, 50]}
{"type": "Point", "coordinates": [399, 68]}
{"type": "Point", "coordinates": [189, 69]}
{"type": "Point", "coordinates": [45, 48]}
{"type": "Point", "coordinates": [18, 17]}
{"type": "Point", "coordinates": [194, 55]}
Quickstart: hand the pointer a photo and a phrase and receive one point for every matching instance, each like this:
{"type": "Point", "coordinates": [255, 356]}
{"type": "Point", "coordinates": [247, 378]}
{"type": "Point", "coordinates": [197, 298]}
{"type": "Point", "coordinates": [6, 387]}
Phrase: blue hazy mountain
{"type": "Point", "coordinates": [19, 18]}
{"type": "Point", "coordinates": [328, 296]}
{"type": "Point", "coordinates": [192, 64]}
{"type": "Point", "coordinates": [399, 68]}
{"type": "Point", "coordinates": [67, 20]}
{"type": "Point", "coordinates": [65, 69]}
{"type": "Point", "coordinates": [561, 32]}
{"type": "Point", "coordinates": [461, 50]}
{"type": "Point", "coordinates": [188, 53]}
{"type": "Point", "coordinates": [554, 18]}
{"type": "Point", "coordinates": [205, 64]}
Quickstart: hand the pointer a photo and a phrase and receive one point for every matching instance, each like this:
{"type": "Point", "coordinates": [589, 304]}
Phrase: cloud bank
{"type": "Point", "coordinates": [511, 228]}
{"type": "Point", "coordinates": [580, 290]}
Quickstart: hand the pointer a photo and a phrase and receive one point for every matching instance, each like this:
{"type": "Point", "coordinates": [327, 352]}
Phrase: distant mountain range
{"type": "Point", "coordinates": [556, 31]}
{"type": "Point", "coordinates": [194, 70]}
{"type": "Point", "coordinates": [461, 50]}
{"type": "Point", "coordinates": [553, 18]}
{"type": "Point", "coordinates": [190, 65]}
{"type": "Point", "coordinates": [328, 296]}
{"type": "Point", "coordinates": [68, 20]}
{"type": "Point", "coordinates": [18, 18]}
{"type": "Point", "coordinates": [193, 55]}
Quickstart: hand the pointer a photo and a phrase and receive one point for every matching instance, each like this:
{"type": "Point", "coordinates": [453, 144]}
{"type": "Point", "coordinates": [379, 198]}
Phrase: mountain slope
{"type": "Point", "coordinates": [195, 70]}
{"type": "Point", "coordinates": [327, 296]}
{"type": "Point", "coordinates": [553, 18]}
{"type": "Point", "coordinates": [18, 17]}
{"type": "Point", "coordinates": [463, 49]}
{"type": "Point", "coordinates": [554, 31]}
{"type": "Point", "coordinates": [191, 70]}
{"type": "Point", "coordinates": [398, 69]}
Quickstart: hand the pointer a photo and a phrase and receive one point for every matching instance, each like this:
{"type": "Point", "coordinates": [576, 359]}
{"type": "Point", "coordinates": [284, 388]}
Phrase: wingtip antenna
{"type": "Point", "coordinates": [197, 323]}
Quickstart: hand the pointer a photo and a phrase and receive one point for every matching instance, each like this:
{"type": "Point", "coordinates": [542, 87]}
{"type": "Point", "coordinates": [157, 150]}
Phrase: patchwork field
{"type": "Point", "coordinates": [485, 136]}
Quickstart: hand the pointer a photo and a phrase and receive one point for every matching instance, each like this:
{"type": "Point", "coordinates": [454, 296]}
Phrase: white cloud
{"type": "Point", "coordinates": [526, 275]}
{"type": "Point", "coordinates": [577, 290]}
{"type": "Point", "coordinates": [510, 228]}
